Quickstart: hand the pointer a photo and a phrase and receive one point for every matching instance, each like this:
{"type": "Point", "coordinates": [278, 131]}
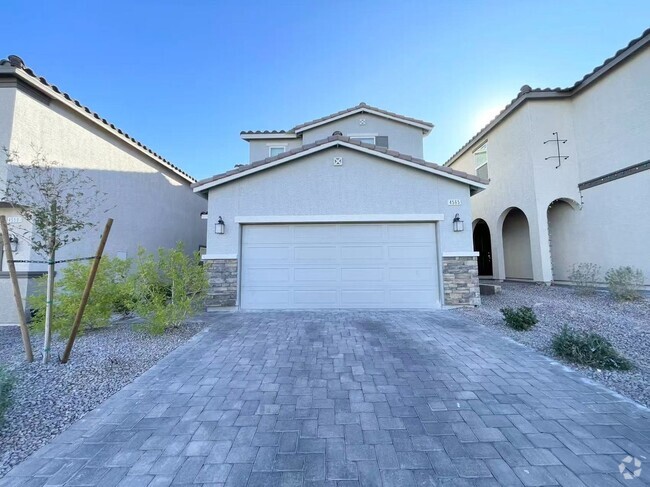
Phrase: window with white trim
{"type": "Point", "coordinates": [276, 150]}
{"type": "Point", "coordinates": [481, 161]}
{"type": "Point", "coordinates": [366, 139]}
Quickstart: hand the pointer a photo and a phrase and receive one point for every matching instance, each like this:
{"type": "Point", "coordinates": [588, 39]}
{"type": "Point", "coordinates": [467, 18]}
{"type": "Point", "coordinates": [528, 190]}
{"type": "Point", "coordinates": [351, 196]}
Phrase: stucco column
{"type": "Point", "coordinates": [540, 248]}
{"type": "Point", "coordinates": [498, 259]}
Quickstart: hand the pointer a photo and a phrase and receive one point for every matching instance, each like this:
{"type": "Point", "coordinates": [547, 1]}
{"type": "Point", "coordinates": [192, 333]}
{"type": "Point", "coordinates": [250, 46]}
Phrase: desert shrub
{"type": "Point", "coordinates": [520, 319]}
{"type": "Point", "coordinates": [169, 287]}
{"type": "Point", "coordinates": [584, 276]}
{"type": "Point", "coordinates": [624, 283]}
{"type": "Point", "coordinates": [589, 349]}
{"type": "Point", "coordinates": [111, 293]}
{"type": "Point", "coordinates": [6, 384]}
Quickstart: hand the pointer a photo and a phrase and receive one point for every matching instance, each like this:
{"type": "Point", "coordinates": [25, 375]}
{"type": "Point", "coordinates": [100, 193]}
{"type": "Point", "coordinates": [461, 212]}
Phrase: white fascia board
{"type": "Point", "coordinates": [210, 184]}
{"type": "Point", "coordinates": [267, 136]}
{"type": "Point", "coordinates": [426, 128]}
{"type": "Point", "coordinates": [401, 218]}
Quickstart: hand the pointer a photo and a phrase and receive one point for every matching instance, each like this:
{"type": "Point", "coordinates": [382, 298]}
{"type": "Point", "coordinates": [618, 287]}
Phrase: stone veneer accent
{"type": "Point", "coordinates": [222, 274]}
{"type": "Point", "coordinates": [460, 281]}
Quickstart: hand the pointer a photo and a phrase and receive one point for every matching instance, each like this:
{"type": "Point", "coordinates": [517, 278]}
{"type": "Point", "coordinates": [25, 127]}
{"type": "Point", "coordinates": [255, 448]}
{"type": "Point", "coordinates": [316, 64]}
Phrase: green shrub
{"type": "Point", "coordinates": [6, 384]}
{"type": "Point", "coordinates": [589, 349]}
{"type": "Point", "coordinates": [168, 289]}
{"type": "Point", "coordinates": [584, 276]}
{"type": "Point", "coordinates": [111, 293]}
{"type": "Point", "coordinates": [520, 319]}
{"type": "Point", "coordinates": [624, 283]}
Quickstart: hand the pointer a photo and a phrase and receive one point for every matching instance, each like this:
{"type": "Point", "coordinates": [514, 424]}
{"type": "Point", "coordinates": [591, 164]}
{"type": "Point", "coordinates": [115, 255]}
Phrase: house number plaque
{"type": "Point", "coordinates": [453, 202]}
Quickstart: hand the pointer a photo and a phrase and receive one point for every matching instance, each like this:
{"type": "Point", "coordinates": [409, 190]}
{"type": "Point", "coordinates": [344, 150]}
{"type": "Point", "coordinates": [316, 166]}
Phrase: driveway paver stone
{"type": "Point", "coordinates": [342, 398]}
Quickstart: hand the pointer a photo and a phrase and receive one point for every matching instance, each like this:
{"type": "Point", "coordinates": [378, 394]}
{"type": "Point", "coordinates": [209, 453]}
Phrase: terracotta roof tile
{"type": "Point", "coordinates": [17, 63]}
{"type": "Point", "coordinates": [525, 90]}
{"type": "Point", "coordinates": [341, 138]}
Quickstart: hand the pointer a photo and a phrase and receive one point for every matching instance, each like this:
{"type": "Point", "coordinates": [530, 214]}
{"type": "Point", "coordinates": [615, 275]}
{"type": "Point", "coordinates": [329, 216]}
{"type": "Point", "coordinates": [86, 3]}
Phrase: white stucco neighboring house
{"type": "Point", "coordinates": [149, 198]}
{"type": "Point", "coordinates": [569, 175]}
{"type": "Point", "coordinates": [341, 212]}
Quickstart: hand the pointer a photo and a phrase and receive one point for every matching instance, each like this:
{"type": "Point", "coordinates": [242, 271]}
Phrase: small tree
{"type": "Point", "coordinates": [59, 204]}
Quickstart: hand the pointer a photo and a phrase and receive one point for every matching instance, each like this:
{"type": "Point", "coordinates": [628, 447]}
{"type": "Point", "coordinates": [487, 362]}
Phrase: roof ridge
{"type": "Point", "coordinates": [17, 63]}
{"type": "Point", "coordinates": [526, 89]}
{"type": "Point", "coordinates": [361, 105]}
{"type": "Point", "coordinates": [341, 138]}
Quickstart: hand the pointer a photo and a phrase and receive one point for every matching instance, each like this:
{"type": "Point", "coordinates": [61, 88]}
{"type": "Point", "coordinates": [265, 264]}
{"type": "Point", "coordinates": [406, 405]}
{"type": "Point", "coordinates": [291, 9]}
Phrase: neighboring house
{"type": "Point", "coordinates": [341, 212]}
{"type": "Point", "coordinates": [149, 198]}
{"type": "Point", "coordinates": [542, 214]}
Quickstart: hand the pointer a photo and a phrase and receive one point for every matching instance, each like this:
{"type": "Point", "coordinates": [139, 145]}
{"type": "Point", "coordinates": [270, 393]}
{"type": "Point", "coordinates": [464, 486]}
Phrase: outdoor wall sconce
{"type": "Point", "coordinates": [220, 227]}
{"type": "Point", "coordinates": [459, 225]}
{"type": "Point", "coordinates": [13, 242]}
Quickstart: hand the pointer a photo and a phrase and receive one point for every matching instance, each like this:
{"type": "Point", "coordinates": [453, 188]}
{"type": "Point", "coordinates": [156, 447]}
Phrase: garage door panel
{"type": "Point", "coordinates": [339, 266]}
{"type": "Point", "coordinates": [315, 274]}
{"type": "Point", "coordinates": [361, 274]}
{"type": "Point", "coordinates": [316, 297]}
{"type": "Point", "coordinates": [416, 274]}
{"type": "Point", "coordinates": [409, 232]}
{"type": "Point", "coordinates": [359, 298]}
{"type": "Point", "coordinates": [268, 234]}
{"type": "Point", "coordinates": [362, 252]}
{"type": "Point", "coordinates": [411, 252]}
{"type": "Point", "coordinates": [268, 253]}
{"type": "Point", "coordinates": [267, 275]}
{"type": "Point", "coordinates": [316, 253]}
{"type": "Point", "coordinates": [314, 233]}
{"type": "Point", "coordinates": [361, 233]}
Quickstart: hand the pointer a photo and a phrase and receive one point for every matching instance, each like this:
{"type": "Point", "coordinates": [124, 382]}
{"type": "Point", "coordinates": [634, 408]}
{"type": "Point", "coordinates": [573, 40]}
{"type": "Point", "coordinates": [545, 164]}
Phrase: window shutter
{"type": "Point", "coordinates": [381, 141]}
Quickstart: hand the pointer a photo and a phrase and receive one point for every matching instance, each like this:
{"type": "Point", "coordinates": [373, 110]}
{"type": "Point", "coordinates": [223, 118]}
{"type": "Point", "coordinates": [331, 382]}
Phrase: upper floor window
{"type": "Point", "coordinates": [366, 139]}
{"type": "Point", "coordinates": [276, 150]}
{"type": "Point", "coordinates": [481, 161]}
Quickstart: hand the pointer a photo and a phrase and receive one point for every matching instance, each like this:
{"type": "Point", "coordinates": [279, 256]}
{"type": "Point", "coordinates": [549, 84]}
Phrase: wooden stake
{"type": "Point", "coordinates": [86, 294]}
{"type": "Point", "coordinates": [24, 331]}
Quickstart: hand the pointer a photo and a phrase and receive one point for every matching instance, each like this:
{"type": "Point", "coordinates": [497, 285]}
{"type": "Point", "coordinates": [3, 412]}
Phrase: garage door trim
{"type": "Point", "coordinates": [307, 219]}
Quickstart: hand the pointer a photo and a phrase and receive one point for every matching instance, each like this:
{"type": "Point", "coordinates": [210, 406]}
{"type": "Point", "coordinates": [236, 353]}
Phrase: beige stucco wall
{"type": "Point", "coordinates": [312, 185]}
{"type": "Point", "coordinates": [259, 148]}
{"type": "Point", "coordinates": [151, 207]}
{"type": "Point", "coordinates": [606, 127]}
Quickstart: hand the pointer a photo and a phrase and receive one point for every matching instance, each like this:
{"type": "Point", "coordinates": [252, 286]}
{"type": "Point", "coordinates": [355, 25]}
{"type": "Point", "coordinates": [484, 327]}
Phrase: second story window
{"type": "Point", "coordinates": [481, 161]}
{"type": "Point", "coordinates": [276, 150]}
{"type": "Point", "coordinates": [366, 139]}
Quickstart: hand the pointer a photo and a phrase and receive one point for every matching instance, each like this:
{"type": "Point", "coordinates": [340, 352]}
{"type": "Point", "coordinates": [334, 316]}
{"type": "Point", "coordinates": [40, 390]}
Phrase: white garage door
{"type": "Point", "coordinates": [392, 265]}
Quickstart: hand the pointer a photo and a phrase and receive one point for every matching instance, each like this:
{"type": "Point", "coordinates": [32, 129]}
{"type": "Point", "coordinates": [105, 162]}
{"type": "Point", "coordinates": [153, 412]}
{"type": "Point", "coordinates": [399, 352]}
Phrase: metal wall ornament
{"type": "Point", "coordinates": [559, 156]}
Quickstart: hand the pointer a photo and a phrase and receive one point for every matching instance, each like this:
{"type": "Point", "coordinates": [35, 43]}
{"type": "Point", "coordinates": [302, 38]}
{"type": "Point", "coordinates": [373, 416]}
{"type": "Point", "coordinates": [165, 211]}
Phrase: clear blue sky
{"type": "Point", "coordinates": [185, 77]}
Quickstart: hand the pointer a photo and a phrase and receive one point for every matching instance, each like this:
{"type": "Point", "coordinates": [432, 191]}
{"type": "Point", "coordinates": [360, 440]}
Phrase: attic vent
{"type": "Point", "coordinates": [338, 132]}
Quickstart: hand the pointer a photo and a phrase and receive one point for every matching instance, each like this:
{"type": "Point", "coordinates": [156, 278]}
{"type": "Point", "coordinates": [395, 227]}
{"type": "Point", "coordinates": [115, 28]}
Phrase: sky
{"type": "Point", "coordinates": [185, 77]}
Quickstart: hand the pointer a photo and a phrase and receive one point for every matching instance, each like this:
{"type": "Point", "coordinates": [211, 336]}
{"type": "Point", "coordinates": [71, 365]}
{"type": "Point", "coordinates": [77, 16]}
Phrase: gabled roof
{"type": "Point", "coordinates": [527, 93]}
{"type": "Point", "coordinates": [14, 66]}
{"type": "Point", "coordinates": [476, 183]}
{"type": "Point", "coordinates": [426, 127]}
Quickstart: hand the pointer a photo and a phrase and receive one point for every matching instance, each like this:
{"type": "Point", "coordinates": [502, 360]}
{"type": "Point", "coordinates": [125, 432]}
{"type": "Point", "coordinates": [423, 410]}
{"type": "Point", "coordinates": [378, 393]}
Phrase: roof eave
{"type": "Point", "coordinates": [35, 83]}
{"type": "Point", "coordinates": [425, 127]}
{"type": "Point", "coordinates": [207, 184]}
{"type": "Point", "coordinates": [262, 136]}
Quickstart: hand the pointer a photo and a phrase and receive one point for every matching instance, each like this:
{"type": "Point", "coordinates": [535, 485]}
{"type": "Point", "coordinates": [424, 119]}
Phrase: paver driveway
{"type": "Point", "coordinates": [348, 398]}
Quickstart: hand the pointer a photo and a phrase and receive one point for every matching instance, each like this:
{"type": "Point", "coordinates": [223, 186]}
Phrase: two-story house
{"type": "Point", "coordinates": [568, 172]}
{"type": "Point", "coordinates": [148, 197]}
{"type": "Point", "coordinates": [341, 212]}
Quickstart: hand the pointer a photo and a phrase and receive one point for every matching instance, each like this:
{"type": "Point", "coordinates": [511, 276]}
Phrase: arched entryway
{"type": "Point", "coordinates": [562, 214]}
{"type": "Point", "coordinates": [516, 245]}
{"type": "Point", "coordinates": [483, 245]}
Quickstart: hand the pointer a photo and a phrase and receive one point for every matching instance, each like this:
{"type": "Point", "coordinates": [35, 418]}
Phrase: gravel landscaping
{"type": "Point", "coordinates": [47, 399]}
{"type": "Point", "coordinates": [625, 324]}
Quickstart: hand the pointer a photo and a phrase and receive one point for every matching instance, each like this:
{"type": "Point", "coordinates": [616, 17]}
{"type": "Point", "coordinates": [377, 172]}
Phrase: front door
{"type": "Point", "coordinates": [483, 245]}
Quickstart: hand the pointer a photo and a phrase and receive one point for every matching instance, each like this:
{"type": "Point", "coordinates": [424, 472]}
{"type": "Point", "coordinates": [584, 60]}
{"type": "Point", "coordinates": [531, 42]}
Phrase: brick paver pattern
{"type": "Point", "coordinates": [349, 398]}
